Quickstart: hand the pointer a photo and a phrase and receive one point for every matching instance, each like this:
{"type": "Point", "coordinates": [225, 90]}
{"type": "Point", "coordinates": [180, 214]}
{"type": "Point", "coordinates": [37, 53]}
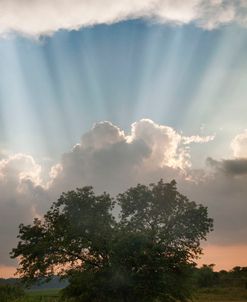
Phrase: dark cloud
{"type": "Point", "coordinates": [237, 166]}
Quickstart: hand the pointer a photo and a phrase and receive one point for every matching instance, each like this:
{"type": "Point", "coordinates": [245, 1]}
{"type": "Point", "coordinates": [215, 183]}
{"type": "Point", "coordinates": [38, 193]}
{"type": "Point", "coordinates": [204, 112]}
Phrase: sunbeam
{"type": "Point", "coordinates": [131, 95]}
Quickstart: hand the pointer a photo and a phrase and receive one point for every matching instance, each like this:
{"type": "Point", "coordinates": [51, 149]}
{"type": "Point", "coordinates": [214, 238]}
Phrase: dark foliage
{"type": "Point", "coordinates": [147, 254]}
{"type": "Point", "coordinates": [206, 277]}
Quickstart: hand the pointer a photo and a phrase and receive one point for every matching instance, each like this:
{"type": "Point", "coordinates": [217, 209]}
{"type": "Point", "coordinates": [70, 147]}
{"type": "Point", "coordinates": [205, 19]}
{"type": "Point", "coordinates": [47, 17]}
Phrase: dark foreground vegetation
{"type": "Point", "coordinates": [222, 286]}
{"type": "Point", "coordinates": [11, 293]}
{"type": "Point", "coordinates": [206, 277]}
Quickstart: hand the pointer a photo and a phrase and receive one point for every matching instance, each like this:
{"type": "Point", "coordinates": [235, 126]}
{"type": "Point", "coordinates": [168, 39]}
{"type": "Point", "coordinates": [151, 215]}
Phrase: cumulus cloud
{"type": "Point", "coordinates": [239, 145]}
{"type": "Point", "coordinates": [112, 160]}
{"type": "Point", "coordinates": [21, 198]}
{"type": "Point", "coordinates": [36, 17]}
{"type": "Point", "coordinates": [19, 168]}
{"type": "Point", "coordinates": [106, 158]}
{"type": "Point", "coordinates": [234, 167]}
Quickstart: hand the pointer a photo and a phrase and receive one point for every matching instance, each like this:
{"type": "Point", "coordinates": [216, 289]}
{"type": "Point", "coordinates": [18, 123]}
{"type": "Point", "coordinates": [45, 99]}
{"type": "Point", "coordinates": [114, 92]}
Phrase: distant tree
{"type": "Point", "coordinates": [143, 255]}
{"type": "Point", "coordinates": [206, 277]}
{"type": "Point", "coordinates": [239, 275]}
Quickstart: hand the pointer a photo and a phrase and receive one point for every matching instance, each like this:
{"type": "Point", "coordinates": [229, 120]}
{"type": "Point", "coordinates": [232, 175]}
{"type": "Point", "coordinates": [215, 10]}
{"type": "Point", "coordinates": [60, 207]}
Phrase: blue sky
{"type": "Point", "coordinates": [53, 90]}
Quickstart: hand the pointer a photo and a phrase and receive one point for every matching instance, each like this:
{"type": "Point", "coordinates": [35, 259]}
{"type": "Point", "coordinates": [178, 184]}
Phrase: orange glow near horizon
{"type": "Point", "coordinates": [224, 257]}
{"type": "Point", "coordinates": [7, 271]}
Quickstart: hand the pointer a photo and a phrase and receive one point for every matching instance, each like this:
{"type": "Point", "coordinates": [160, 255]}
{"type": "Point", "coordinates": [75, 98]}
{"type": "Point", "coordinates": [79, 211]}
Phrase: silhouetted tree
{"type": "Point", "coordinates": [144, 255]}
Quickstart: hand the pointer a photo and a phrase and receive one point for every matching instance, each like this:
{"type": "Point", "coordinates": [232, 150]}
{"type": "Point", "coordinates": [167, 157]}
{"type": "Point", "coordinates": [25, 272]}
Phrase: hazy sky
{"type": "Point", "coordinates": [113, 93]}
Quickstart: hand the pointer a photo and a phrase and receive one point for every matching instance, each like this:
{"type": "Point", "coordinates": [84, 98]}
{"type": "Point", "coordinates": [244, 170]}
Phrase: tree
{"type": "Point", "coordinates": [145, 254]}
{"type": "Point", "coordinates": [206, 277]}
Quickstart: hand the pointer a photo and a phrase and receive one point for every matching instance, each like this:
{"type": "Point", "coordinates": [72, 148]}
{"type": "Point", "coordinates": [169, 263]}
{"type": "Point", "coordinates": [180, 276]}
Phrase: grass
{"type": "Point", "coordinates": [221, 295]}
{"type": "Point", "coordinates": [44, 293]}
{"type": "Point", "coordinates": [203, 295]}
{"type": "Point", "coordinates": [50, 295]}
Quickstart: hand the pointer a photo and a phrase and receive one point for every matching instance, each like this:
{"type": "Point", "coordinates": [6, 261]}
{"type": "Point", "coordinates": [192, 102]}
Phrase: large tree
{"type": "Point", "coordinates": [144, 254]}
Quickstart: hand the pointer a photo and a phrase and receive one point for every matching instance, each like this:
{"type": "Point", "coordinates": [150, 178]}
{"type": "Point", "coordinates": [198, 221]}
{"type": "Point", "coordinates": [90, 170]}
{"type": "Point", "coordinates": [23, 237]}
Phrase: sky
{"type": "Point", "coordinates": [112, 94]}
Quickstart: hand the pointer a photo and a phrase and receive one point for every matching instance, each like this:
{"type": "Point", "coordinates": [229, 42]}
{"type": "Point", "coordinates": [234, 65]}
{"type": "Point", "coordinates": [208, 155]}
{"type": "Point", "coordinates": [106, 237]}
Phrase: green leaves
{"type": "Point", "coordinates": [141, 256]}
{"type": "Point", "coordinates": [75, 231]}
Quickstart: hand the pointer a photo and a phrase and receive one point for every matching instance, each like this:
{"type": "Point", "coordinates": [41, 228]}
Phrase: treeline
{"type": "Point", "coordinates": [205, 276]}
{"type": "Point", "coordinates": [55, 282]}
{"type": "Point", "coordinates": [9, 281]}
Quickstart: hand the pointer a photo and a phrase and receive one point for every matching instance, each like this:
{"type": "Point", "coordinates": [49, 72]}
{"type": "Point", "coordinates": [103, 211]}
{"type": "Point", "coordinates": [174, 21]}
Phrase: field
{"type": "Point", "coordinates": [221, 295]}
{"type": "Point", "coordinates": [204, 295]}
{"type": "Point", "coordinates": [49, 295]}
{"type": "Point", "coordinates": [39, 296]}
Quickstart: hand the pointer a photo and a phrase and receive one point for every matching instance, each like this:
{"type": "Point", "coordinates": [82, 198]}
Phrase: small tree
{"type": "Point", "coordinates": [145, 255]}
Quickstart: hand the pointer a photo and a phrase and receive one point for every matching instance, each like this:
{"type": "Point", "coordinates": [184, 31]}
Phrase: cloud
{"type": "Point", "coordinates": [21, 198]}
{"type": "Point", "coordinates": [19, 168]}
{"type": "Point", "coordinates": [163, 141]}
{"type": "Point", "coordinates": [223, 189]}
{"type": "Point", "coordinates": [225, 196]}
{"type": "Point", "coordinates": [217, 12]}
{"type": "Point", "coordinates": [106, 158]}
{"type": "Point", "coordinates": [239, 145]}
{"type": "Point", "coordinates": [35, 18]}
{"type": "Point", "coordinates": [233, 167]}
{"type": "Point", "coordinates": [198, 139]}
{"type": "Point", "coordinates": [112, 160]}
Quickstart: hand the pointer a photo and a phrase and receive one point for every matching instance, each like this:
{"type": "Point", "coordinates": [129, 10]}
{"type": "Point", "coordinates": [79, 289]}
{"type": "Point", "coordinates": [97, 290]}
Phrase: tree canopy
{"type": "Point", "coordinates": [144, 253]}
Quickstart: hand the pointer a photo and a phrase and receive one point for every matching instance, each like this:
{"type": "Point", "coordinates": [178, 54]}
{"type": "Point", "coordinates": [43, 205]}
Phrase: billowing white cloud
{"type": "Point", "coordinates": [239, 145]}
{"type": "Point", "coordinates": [21, 198]}
{"type": "Point", "coordinates": [19, 168]}
{"type": "Point", "coordinates": [106, 158]}
{"type": "Point", "coordinates": [36, 17]}
{"type": "Point", "coordinates": [163, 141]}
{"type": "Point", "coordinates": [198, 139]}
{"type": "Point", "coordinates": [112, 160]}
{"type": "Point", "coordinates": [151, 152]}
